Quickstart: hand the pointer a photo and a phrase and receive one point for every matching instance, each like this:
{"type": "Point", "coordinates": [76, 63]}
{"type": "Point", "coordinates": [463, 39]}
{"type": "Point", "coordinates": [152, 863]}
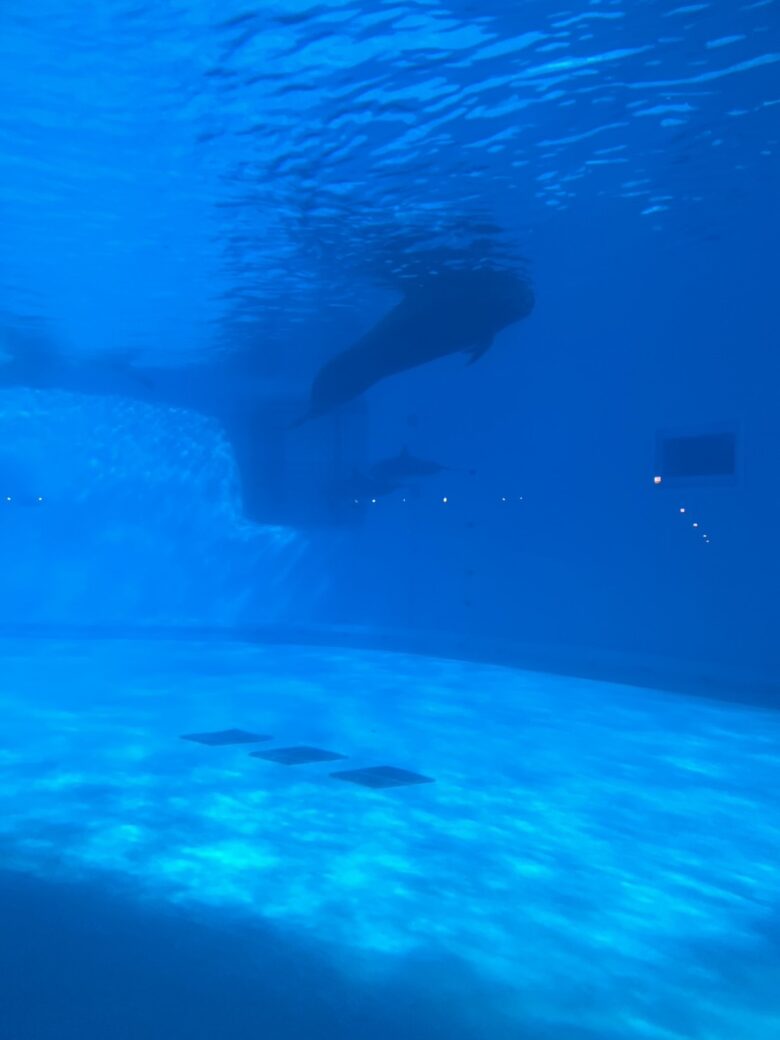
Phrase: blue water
{"type": "Point", "coordinates": [567, 620]}
{"type": "Point", "coordinates": [593, 859]}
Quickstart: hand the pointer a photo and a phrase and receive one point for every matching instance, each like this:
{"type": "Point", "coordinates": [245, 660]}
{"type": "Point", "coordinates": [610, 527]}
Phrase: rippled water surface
{"type": "Point", "coordinates": [240, 167]}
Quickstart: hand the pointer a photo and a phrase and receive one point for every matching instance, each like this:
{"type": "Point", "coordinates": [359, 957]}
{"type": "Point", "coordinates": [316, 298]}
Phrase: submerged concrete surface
{"type": "Point", "coordinates": [595, 859]}
{"type": "Point", "coordinates": [752, 682]}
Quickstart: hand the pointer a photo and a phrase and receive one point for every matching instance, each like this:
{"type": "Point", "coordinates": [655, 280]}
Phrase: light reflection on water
{"type": "Point", "coordinates": [579, 834]}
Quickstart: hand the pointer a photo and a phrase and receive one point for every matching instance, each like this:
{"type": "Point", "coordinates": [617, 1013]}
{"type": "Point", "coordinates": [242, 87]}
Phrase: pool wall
{"type": "Point", "coordinates": [545, 533]}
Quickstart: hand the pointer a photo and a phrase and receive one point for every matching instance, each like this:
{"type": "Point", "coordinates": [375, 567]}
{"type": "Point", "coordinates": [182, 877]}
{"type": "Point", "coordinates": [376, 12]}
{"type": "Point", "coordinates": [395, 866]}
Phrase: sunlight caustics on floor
{"type": "Point", "coordinates": [605, 856]}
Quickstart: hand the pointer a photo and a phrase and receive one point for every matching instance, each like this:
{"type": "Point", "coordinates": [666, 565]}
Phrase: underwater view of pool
{"type": "Point", "coordinates": [389, 498]}
{"type": "Point", "coordinates": [590, 860]}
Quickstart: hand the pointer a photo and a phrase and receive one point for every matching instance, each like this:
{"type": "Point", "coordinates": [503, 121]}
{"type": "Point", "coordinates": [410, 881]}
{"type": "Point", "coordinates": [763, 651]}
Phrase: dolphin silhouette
{"type": "Point", "coordinates": [405, 466]}
{"type": "Point", "coordinates": [448, 313]}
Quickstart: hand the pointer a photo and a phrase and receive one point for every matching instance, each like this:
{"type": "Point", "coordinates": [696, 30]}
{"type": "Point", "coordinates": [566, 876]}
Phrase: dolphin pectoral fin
{"type": "Point", "coordinates": [479, 349]}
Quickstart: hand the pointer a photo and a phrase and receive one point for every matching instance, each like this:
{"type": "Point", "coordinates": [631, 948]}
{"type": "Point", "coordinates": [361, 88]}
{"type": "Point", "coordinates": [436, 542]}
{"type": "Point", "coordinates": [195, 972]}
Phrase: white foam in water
{"type": "Point", "coordinates": [605, 856]}
{"type": "Point", "coordinates": [141, 520]}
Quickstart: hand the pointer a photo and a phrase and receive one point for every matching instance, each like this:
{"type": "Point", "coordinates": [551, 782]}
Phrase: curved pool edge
{"type": "Point", "coordinates": [756, 687]}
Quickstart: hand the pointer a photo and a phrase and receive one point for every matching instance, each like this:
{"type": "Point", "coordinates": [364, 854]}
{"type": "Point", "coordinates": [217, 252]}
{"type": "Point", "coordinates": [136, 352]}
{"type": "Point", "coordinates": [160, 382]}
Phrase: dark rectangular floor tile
{"type": "Point", "coordinates": [226, 736]}
{"type": "Point", "coordinates": [296, 756]}
{"type": "Point", "coordinates": [382, 776]}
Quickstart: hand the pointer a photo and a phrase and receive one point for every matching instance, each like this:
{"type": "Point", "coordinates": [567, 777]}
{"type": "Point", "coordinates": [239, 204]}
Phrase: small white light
{"type": "Point", "coordinates": [503, 500]}
{"type": "Point", "coordinates": [373, 501]}
{"type": "Point", "coordinates": [657, 480]}
{"type": "Point", "coordinates": [403, 499]}
{"type": "Point", "coordinates": [355, 501]}
{"type": "Point", "coordinates": [40, 498]}
{"type": "Point", "coordinates": [682, 509]}
{"type": "Point", "coordinates": [695, 524]}
{"type": "Point", "coordinates": [8, 498]}
{"type": "Point", "coordinates": [444, 500]}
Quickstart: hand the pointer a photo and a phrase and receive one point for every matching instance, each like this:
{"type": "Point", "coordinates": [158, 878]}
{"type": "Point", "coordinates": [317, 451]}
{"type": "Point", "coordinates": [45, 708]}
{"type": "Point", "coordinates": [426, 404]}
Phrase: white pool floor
{"type": "Point", "coordinates": [593, 860]}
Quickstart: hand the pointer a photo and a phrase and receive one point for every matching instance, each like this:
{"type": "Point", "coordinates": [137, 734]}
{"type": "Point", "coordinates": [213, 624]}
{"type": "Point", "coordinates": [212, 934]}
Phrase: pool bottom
{"type": "Point", "coordinates": [592, 857]}
{"type": "Point", "coordinates": [83, 961]}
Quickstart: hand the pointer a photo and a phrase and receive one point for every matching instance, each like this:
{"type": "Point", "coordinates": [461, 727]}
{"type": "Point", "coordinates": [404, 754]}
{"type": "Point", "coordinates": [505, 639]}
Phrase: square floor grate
{"type": "Point", "coordinates": [382, 776]}
{"type": "Point", "coordinates": [296, 756]}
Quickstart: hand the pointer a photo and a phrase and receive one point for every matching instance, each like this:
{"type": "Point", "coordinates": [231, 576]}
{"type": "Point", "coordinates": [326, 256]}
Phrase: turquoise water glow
{"type": "Point", "coordinates": [598, 856]}
{"type": "Point", "coordinates": [269, 371]}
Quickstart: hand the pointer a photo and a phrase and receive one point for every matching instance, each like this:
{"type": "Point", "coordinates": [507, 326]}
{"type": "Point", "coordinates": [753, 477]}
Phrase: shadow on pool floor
{"type": "Point", "coordinates": [80, 964]}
